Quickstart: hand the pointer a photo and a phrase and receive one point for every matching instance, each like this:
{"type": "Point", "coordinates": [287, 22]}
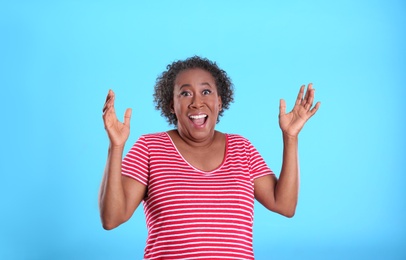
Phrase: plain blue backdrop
{"type": "Point", "coordinates": [59, 58]}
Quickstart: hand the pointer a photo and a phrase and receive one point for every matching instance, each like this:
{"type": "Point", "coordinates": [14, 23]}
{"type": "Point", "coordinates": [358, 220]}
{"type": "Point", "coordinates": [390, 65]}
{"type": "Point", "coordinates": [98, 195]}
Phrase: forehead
{"type": "Point", "coordinates": [194, 76]}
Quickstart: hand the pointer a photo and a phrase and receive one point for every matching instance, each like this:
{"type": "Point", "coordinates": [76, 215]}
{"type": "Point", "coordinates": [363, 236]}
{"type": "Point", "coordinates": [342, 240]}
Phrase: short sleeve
{"type": "Point", "coordinates": [257, 165]}
{"type": "Point", "coordinates": [136, 162]}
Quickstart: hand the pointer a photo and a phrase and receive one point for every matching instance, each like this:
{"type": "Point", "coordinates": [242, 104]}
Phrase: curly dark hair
{"type": "Point", "coordinates": [163, 91]}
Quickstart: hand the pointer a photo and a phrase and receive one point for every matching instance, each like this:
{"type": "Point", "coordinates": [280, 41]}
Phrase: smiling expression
{"type": "Point", "coordinates": [196, 103]}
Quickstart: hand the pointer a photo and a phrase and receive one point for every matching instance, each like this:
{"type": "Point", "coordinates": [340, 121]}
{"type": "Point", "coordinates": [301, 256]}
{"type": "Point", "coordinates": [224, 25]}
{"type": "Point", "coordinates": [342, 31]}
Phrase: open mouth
{"type": "Point", "coordinates": [198, 120]}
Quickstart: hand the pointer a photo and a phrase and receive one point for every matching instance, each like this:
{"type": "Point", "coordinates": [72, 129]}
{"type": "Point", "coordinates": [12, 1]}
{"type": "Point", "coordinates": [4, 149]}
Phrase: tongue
{"type": "Point", "coordinates": [199, 121]}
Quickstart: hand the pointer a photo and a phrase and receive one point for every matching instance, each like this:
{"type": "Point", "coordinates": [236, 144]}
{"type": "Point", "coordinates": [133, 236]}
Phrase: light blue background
{"type": "Point", "coordinates": [58, 60]}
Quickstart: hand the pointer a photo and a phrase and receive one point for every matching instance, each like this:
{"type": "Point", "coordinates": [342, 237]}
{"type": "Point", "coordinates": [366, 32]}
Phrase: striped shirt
{"type": "Point", "coordinates": [193, 214]}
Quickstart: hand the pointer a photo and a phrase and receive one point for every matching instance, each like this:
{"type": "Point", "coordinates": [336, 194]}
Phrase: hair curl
{"type": "Point", "coordinates": [164, 86]}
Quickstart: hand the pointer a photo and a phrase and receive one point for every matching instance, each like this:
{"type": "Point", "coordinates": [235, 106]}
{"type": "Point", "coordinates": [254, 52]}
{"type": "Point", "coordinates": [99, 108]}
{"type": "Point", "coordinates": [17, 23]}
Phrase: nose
{"type": "Point", "coordinates": [196, 102]}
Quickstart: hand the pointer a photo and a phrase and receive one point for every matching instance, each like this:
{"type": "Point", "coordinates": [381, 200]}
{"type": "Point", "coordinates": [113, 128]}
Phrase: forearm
{"type": "Point", "coordinates": [112, 203]}
{"type": "Point", "coordinates": [287, 187]}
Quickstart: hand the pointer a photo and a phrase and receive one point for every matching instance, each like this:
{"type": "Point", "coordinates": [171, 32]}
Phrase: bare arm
{"type": "Point", "coordinates": [281, 195]}
{"type": "Point", "coordinates": [119, 196]}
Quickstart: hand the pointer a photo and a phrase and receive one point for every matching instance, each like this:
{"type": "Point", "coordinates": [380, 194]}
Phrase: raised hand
{"type": "Point", "coordinates": [292, 122]}
{"type": "Point", "coordinates": [118, 132]}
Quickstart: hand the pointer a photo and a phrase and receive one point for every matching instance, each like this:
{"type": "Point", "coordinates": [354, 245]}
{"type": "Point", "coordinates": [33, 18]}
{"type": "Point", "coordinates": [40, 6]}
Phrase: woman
{"type": "Point", "coordinates": [197, 184]}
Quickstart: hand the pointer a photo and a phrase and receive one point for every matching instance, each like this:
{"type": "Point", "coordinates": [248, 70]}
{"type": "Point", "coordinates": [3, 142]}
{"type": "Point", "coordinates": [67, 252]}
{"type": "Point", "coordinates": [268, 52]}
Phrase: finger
{"type": "Point", "coordinates": [300, 95]}
{"type": "Point", "coordinates": [109, 101]}
{"type": "Point", "coordinates": [108, 95]}
{"type": "Point", "coordinates": [105, 107]}
{"type": "Point", "coordinates": [282, 107]}
{"type": "Point", "coordinates": [310, 99]}
{"type": "Point", "coordinates": [308, 90]}
{"type": "Point", "coordinates": [109, 115]}
{"type": "Point", "coordinates": [305, 101]}
{"type": "Point", "coordinates": [315, 108]}
{"type": "Point", "coordinates": [109, 112]}
{"type": "Point", "coordinates": [127, 117]}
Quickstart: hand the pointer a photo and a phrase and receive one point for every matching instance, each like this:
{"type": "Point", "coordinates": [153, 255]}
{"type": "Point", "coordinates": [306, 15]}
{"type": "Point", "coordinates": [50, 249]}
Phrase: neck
{"type": "Point", "coordinates": [190, 141]}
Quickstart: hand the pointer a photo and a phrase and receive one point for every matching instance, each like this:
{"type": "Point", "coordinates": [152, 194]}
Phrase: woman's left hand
{"type": "Point", "coordinates": [292, 122]}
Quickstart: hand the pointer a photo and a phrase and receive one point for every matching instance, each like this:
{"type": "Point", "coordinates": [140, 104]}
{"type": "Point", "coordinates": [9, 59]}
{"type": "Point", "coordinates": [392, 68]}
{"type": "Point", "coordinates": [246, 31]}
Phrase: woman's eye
{"type": "Point", "coordinates": [206, 92]}
{"type": "Point", "coordinates": [184, 93]}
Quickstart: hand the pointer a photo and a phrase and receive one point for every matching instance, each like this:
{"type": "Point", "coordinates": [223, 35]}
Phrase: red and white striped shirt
{"type": "Point", "coordinates": [193, 214]}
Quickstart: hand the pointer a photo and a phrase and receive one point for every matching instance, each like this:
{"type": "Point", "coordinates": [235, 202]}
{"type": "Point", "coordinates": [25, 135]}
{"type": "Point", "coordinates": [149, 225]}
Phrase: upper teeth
{"type": "Point", "coordinates": [198, 116]}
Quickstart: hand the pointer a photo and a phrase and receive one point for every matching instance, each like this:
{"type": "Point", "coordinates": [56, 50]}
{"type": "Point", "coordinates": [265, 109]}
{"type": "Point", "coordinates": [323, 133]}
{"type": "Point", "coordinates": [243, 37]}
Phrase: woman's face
{"type": "Point", "coordinates": [196, 104]}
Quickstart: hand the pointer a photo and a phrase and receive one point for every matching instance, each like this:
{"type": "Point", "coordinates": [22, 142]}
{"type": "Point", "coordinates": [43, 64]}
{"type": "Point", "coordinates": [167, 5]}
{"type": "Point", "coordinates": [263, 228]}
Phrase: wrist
{"type": "Point", "coordinates": [115, 147]}
{"type": "Point", "coordinates": [290, 138]}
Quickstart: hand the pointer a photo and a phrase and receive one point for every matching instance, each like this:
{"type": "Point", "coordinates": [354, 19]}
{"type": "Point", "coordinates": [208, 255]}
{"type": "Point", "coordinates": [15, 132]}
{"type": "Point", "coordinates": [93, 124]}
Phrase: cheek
{"type": "Point", "coordinates": [178, 106]}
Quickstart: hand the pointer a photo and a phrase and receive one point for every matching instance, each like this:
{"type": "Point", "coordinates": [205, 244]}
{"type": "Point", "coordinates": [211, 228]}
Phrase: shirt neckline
{"type": "Point", "coordinates": [193, 167]}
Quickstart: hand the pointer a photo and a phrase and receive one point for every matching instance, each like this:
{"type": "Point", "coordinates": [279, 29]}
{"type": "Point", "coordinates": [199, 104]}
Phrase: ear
{"type": "Point", "coordinates": [220, 103]}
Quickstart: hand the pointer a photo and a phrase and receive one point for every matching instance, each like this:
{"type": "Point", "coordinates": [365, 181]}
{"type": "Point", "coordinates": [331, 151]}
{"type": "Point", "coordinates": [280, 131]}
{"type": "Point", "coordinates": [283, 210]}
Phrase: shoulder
{"type": "Point", "coordinates": [151, 139]}
{"type": "Point", "coordinates": [153, 136]}
{"type": "Point", "coordinates": [236, 141]}
{"type": "Point", "coordinates": [236, 138]}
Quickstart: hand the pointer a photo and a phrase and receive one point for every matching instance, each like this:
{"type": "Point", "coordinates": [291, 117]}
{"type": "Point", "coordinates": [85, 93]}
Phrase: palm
{"type": "Point", "coordinates": [291, 123]}
{"type": "Point", "coordinates": [117, 131]}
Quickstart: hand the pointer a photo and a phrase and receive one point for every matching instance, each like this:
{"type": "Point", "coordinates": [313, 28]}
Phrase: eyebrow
{"type": "Point", "coordinates": [202, 84]}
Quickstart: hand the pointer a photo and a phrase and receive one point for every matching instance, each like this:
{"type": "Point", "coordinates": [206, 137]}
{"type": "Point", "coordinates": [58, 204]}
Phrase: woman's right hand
{"type": "Point", "coordinates": [118, 132]}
